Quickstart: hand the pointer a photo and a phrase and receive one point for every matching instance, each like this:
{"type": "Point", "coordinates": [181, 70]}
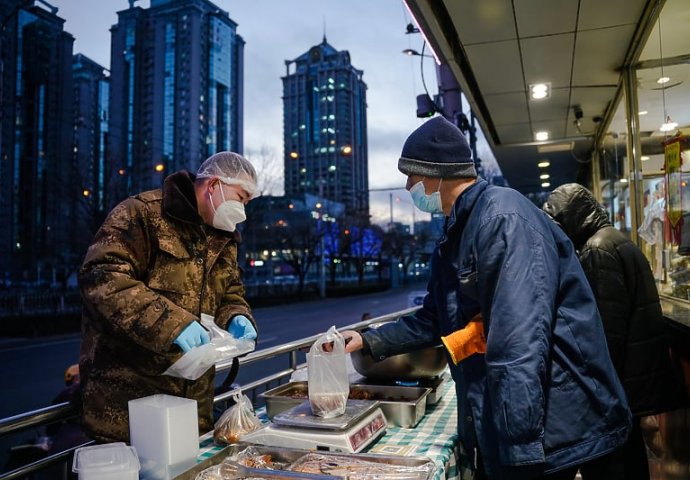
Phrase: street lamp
{"type": "Point", "coordinates": [414, 53]}
{"type": "Point", "coordinates": [426, 106]}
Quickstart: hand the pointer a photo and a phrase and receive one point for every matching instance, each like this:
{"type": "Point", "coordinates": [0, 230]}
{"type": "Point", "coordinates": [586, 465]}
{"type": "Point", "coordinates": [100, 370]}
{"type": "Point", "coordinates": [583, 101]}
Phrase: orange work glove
{"type": "Point", "coordinates": [467, 341]}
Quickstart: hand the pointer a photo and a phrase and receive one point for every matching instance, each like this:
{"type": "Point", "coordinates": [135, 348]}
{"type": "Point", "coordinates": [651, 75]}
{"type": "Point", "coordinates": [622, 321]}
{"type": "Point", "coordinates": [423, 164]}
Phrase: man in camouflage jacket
{"type": "Point", "coordinates": [153, 267]}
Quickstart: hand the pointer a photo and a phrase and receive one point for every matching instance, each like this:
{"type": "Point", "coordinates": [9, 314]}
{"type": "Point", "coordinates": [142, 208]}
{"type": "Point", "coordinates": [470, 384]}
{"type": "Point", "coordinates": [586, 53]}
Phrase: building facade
{"type": "Point", "coordinates": [176, 90]}
{"type": "Point", "coordinates": [325, 128]}
{"type": "Point", "coordinates": [36, 141]}
{"type": "Point", "coordinates": [91, 174]}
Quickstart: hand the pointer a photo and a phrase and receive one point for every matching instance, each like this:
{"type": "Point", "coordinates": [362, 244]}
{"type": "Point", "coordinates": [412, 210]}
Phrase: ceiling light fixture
{"type": "Point", "coordinates": [543, 164]}
{"type": "Point", "coordinates": [554, 147]}
{"type": "Point", "coordinates": [642, 112]}
{"type": "Point", "coordinates": [545, 184]}
{"type": "Point", "coordinates": [538, 91]}
{"type": "Point", "coordinates": [541, 136]}
{"type": "Point", "coordinates": [663, 80]}
{"type": "Point", "coordinates": [544, 176]}
{"type": "Point", "coordinates": [669, 125]}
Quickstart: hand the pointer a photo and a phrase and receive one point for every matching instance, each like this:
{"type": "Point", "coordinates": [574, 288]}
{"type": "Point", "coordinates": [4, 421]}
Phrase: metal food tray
{"type": "Point", "coordinates": [402, 406]}
{"type": "Point", "coordinates": [292, 455]}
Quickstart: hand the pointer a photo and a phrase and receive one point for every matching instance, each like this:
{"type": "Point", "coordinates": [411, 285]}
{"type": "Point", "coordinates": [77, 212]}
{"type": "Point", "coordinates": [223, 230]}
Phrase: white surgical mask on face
{"type": "Point", "coordinates": [426, 203]}
{"type": "Point", "coordinates": [228, 214]}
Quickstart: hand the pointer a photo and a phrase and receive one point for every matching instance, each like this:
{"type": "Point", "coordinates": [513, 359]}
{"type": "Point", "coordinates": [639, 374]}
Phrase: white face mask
{"type": "Point", "coordinates": [426, 203]}
{"type": "Point", "coordinates": [228, 214]}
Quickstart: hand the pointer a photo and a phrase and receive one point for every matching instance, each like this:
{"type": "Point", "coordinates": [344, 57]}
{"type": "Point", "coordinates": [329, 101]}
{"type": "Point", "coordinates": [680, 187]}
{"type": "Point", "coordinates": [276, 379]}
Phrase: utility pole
{"type": "Point", "coordinates": [322, 267]}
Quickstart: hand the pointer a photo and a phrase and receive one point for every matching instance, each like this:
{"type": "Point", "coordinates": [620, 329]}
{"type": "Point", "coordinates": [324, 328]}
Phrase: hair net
{"type": "Point", "coordinates": [230, 168]}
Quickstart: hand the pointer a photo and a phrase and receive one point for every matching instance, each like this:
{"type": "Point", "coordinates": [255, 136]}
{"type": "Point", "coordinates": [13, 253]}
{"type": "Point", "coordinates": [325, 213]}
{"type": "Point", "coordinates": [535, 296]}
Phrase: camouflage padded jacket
{"type": "Point", "coordinates": [153, 267]}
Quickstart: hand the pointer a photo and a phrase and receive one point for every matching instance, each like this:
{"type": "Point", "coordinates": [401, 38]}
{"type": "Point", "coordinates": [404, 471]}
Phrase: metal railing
{"type": "Point", "coordinates": [64, 411]}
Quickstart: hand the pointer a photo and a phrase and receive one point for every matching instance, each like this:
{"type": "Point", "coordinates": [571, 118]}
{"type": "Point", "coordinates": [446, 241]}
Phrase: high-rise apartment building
{"type": "Point", "coordinates": [35, 141]}
{"type": "Point", "coordinates": [325, 128]}
{"type": "Point", "coordinates": [176, 89]}
{"type": "Point", "coordinates": [90, 161]}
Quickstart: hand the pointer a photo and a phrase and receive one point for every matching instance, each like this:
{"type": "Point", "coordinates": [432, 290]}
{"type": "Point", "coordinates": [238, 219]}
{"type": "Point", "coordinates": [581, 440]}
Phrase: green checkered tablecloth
{"type": "Point", "coordinates": [435, 437]}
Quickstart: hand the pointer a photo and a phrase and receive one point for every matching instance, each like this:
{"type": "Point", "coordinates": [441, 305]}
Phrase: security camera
{"type": "Point", "coordinates": [577, 110]}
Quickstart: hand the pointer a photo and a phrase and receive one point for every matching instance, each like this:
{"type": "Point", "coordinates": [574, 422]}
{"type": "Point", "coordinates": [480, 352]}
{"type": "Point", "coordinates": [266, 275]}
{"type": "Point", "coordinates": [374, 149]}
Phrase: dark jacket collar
{"type": "Point", "coordinates": [179, 203]}
{"type": "Point", "coordinates": [179, 199]}
{"type": "Point", "coordinates": [463, 206]}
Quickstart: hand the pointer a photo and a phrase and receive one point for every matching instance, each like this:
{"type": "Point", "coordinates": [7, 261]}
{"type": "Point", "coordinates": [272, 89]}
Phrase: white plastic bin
{"type": "Point", "coordinates": [111, 461]}
{"type": "Point", "coordinates": [165, 431]}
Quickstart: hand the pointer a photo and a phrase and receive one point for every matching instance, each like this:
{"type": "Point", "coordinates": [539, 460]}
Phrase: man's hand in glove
{"type": "Point", "coordinates": [467, 341]}
{"type": "Point", "coordinates": [240, 327]}
{"type": "Point", "coordinates": [193, 336]}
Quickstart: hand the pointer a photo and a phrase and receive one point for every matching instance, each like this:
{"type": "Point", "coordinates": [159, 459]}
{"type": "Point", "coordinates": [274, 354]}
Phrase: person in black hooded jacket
{"type": "Point", "coordinates": [628, 302]}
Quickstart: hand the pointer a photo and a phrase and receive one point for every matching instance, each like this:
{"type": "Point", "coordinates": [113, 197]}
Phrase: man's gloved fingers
{"type": "Point", "coordinates": [183, 345]}
{"type": "Point", "coordinates": [249, 331]}
{"type": "Point", "coordinates": [192, 336]}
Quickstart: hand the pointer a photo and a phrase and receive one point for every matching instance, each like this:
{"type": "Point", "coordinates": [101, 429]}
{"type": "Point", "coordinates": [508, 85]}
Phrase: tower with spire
{"type": "Point", "coordinates": [325, 128]}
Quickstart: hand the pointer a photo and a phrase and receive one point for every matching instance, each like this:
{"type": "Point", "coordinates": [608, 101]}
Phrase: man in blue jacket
{"type": "Point", "coordinates": [541, 397]}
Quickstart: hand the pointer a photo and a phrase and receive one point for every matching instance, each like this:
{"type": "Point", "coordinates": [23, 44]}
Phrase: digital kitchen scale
{"type": "Point", "coordinates": [361, 425]}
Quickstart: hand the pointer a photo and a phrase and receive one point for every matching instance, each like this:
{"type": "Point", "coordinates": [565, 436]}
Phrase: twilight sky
{"type": "Point", "coordinates": [373, 31]}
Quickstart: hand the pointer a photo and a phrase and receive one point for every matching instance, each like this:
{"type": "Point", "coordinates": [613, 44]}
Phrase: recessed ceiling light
{"type": "Point", "coordinates": [538, 91]}
{"type": "Point", "coordinates": [543, 164]}
{"type": "Point", "coordinates": [663, 80]}
{"type": "Point", "coordinates": [642, 112]}
{"type": "Point", "coordinates": [554, 147]}
{"type": "Point", "coordinates": [541, 136]}
{"type": "Point", "coordinates": [545, 184]}
{"type": "Point", "coordinates": [644, 157]}
{"type": "Point", "coordinates": [544, 176]}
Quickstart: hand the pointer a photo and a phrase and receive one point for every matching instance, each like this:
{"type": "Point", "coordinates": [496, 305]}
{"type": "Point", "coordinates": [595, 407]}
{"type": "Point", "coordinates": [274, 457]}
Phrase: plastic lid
{"type": "Point", "coordinates": [107, 458]}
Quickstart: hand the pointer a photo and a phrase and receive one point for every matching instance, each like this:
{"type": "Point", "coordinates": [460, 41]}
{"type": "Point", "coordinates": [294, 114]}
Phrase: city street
{"type": "Point", "coordinates": [32, 369]}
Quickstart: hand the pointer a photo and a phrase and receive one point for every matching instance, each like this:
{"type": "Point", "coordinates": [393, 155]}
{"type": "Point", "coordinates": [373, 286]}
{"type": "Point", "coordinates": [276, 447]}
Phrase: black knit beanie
{"type": "Point", "coordinates": [437, 149]}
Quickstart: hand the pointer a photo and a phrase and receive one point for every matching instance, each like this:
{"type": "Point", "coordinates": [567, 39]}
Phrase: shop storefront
{"type": "Point", "coordinates": [642, 175]}
{"type": "Point", "coordinates": [642, 169]}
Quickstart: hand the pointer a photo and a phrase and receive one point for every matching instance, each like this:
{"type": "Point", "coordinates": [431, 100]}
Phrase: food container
{"type": "Point", "coordinates": [165, 431]}
{"type": "Point", "coordinates": [415, 365]}
{"type": "Point", "coordinates": [402, 406]}
{"type": "Point", "coordinates": [111, 461]}
{"type": "Point", "coordinates": [415, 467]}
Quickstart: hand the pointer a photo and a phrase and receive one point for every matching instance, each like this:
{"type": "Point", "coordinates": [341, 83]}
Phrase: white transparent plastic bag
{"type": "Point", "coordinates": [327, 375]}
{"type": "Point", "coordinates": [198, 360]}
{"type": "Point", "coordinates": [236, 421]}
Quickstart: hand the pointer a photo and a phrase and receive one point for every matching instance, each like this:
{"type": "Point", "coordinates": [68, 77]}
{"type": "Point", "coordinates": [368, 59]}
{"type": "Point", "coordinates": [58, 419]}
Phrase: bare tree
{"type": "Point", "coordinates": [268, 169]}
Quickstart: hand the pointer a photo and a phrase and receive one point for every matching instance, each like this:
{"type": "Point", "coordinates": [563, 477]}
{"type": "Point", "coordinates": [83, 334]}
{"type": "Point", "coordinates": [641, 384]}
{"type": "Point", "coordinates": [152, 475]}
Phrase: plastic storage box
{"type": "Point", "coordinates": [111, 461]}
{"type": "Point", "coordinates": [165, 431]}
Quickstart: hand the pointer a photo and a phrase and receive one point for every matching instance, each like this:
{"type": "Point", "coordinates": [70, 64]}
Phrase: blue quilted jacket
{"type": "Point", "coordinates": [545, 396]}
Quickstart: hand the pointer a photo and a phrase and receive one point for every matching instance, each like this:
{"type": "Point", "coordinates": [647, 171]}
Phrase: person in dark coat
{"type": "Point", "coordinates": [628, 302]}
{"type": "Point", "coordinates": [541, 397]}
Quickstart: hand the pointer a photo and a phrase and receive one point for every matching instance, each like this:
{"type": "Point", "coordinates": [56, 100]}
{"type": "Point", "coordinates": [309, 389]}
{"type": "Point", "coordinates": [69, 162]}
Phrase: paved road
{"type": "Point", "coordinates": [31, 370]}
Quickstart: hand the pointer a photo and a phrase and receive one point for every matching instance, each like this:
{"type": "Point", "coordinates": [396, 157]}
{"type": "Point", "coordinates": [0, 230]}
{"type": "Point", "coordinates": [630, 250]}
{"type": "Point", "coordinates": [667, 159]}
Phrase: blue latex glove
{"type": "Point", "coordinates": [240, 327]}
{"type": "Point", "coordinates": [193, 336]}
